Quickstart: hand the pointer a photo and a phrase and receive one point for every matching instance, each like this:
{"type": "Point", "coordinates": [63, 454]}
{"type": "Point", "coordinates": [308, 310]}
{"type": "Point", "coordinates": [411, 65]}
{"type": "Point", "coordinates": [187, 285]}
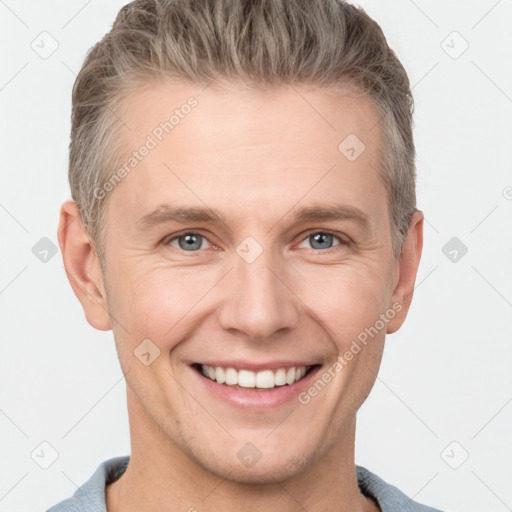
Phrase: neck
{"type": "Point", "coordinates": [162, 476]}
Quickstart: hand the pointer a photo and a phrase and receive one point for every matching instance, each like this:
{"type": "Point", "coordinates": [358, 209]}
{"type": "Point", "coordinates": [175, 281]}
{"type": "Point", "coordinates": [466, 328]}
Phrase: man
{"type": "Point", "coordinates": [244, 220]}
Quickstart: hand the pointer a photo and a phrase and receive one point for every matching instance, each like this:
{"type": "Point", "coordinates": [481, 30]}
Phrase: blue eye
{"type": "Point", "coordinates": [194, 242]}
{"type": "Point", "coordinates": [322, 240]}
{"type": "Point", "coordinates": [189, 242]}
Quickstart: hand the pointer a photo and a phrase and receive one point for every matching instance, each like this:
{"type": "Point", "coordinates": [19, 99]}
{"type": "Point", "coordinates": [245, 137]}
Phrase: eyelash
{"type": "Point", "coordinates": [343, 241]}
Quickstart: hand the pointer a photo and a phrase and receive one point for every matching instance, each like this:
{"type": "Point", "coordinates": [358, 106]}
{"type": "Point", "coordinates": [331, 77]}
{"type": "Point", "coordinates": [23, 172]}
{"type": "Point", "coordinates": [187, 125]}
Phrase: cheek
{"type": "Point", "coordinates": [163, 303]}
{"type": "Point", "coordinates": [159, 303]}
{"type": "Point", "coordinates": [348, 298]}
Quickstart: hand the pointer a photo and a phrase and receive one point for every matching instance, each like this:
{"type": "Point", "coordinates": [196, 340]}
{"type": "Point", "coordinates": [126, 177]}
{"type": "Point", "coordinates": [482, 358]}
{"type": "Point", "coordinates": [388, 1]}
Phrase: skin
{"type": "Point", "coordinates": [256, 157]}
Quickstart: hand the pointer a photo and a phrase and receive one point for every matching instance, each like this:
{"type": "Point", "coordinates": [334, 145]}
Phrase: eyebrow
{"type": "Point", "coordinates": [168, 213]}
{"type": "Point", "coordinates": [317, 213]}
{"type": "Point", "coordinates": [325, 212]}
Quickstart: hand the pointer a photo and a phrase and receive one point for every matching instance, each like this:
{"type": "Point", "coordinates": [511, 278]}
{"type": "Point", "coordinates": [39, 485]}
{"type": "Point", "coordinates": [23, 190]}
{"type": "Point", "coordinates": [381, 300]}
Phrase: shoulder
{"type": "Point", "coordinates": [389, 497]}
{"type": "Point", "coordinates": [90, 497]}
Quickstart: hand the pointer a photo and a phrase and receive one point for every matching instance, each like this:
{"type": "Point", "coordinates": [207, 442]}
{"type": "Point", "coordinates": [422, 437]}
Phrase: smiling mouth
{"type": "Point", "coordinates": [247, 379]}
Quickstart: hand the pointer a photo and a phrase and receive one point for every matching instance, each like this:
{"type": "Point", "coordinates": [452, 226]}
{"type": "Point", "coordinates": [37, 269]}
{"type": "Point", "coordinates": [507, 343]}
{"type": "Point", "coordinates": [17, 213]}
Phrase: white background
{"type": "Point", "coordinates": [446, 375]}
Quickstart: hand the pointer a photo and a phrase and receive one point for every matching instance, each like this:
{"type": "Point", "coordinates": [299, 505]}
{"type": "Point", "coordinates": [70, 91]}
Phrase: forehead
{"type": "Point", "coordinates": [238, 147]}
{"type": "Point", "coordinates": [245, 115]}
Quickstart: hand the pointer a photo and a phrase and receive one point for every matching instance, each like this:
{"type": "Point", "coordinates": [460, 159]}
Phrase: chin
{"type": "Point", "coordinates": [273, 470]}
{"type": "Point", "coordinates": [268, 474]}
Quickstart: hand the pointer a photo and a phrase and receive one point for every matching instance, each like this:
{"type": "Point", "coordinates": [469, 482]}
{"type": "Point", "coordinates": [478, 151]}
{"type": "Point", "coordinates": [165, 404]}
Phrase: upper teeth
{"type": "Point", "coordinates": [248, 379]}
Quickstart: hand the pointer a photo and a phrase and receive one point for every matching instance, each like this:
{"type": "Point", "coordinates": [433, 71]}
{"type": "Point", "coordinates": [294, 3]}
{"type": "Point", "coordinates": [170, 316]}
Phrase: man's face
{"type": "Point", "coordinates": [261, 288]}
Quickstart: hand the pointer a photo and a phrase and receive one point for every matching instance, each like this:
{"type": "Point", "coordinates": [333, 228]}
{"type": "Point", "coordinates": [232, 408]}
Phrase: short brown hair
{"type": "Point", "coordinates": [328, 43]}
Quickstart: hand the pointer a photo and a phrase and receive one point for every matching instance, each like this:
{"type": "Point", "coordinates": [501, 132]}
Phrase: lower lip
{"type": "Point", "coordinates": [257, 399]}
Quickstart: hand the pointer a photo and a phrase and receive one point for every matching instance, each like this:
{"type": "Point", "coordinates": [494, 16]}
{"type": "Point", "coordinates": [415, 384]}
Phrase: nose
{"type": "Point", "coordinates": [258, 299]}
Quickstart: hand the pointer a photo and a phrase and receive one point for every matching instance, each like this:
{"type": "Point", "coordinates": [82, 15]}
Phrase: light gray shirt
{"type": "Point", "coordinates": [90, 497]}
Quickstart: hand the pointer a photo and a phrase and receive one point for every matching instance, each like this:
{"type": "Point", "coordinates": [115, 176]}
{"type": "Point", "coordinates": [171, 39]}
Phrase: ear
{"type": "Point", "coordinates": [406, 268]}
{"type": "Point", "coordinates": [82, 266]}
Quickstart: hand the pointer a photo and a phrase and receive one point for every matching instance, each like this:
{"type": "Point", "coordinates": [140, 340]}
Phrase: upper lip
{"type": "Point", "coordinates": [257, 366]}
